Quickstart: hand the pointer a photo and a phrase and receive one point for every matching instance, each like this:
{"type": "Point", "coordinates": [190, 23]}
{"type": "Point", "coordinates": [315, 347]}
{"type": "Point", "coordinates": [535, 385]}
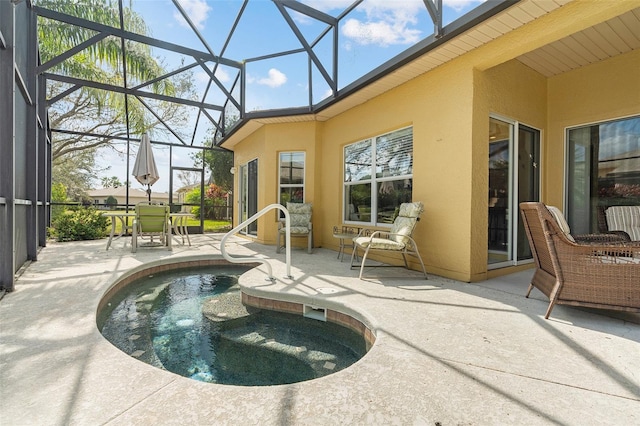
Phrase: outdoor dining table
{"type": "Point", "coordinates": [178, 224]}
{"type": "Point", "coordinates": [123, 217]}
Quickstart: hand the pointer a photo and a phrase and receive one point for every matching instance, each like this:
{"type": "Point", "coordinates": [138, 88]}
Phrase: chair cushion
{"type": "Point", "coordinates": [378, 243]}
{"type": "Point", "coordinates": [404, 223]}
{"type": "Point", "coordinates": [411, 209]}
{"type": "Point", "coordinates": [402, 228]}
{"type": "Point", "coordinates": [624, 218]}
{"type": "Point", "coordinates": [562, 223]}
{"type": "Point", "coordinates": [296, 208]}
{"type": "Point", "coordinates": [300, 220]}
{"type": "Point", "coordinates": [295, 230]}
{"type": "Point", "coordinates": [300, 217]}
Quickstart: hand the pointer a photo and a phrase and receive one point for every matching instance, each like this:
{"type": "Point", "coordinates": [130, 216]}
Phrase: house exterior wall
{"type": "Point", "coordinates": [266, 145]}
{"type": "Point", "coordinates": [515, 92]}
{"type": "Point", "coordinates": [438, 106]}
{"type": "Point", "coordinates": [449, 110]}
{"type": "Point", "coordinates": [599, 92]}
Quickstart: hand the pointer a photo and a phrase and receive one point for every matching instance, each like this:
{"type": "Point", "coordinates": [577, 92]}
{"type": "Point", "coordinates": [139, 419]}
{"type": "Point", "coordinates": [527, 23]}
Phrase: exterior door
{"type": "Point", "coordinates": [248, 183]}
{"type": "Point", "coordinates": [182, 182]}
{"type": "Point", "coordinates": [514, 177]}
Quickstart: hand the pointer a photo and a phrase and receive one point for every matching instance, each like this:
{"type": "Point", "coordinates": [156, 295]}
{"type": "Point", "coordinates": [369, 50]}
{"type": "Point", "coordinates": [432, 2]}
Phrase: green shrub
{"type": "Point", "coordinates": [80, 224]}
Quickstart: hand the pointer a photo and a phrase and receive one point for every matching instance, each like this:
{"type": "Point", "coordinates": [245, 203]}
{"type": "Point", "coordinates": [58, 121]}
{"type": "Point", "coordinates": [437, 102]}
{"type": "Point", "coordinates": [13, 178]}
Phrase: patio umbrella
{"type": "Point", "coordinates": [144, 169]}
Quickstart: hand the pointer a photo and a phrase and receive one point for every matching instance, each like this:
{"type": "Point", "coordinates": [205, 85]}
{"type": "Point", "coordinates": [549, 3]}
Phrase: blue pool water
{"type": "Point", "coordinates": [192, 322]}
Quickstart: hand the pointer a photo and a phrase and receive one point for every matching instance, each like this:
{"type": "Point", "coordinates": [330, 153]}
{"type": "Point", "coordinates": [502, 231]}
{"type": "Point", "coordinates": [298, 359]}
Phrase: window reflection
{"type": "Point", "coordinates": [604, 170]}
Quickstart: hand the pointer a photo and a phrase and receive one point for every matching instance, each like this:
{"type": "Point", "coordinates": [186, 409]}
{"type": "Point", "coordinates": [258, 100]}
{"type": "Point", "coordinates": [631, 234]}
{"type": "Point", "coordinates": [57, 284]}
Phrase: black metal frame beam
{"type": "Point", "coordinates": [201, 58]}
{"type": "Point", "coordinates": [73, 20]}
{"type": "Point", "coordinates": [133, 92]}
{"type": "Point", "coordinates": [470, 20]}
{"type": "Point", "coordinates": [7, 159]}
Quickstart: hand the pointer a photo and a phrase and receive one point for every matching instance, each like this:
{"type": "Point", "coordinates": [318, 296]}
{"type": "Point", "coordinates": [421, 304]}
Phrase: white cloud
{"type": "Point", "coordinates": [380, 33]}
{"type": "Point", "coordinates": [197, 10]}
{"type": "Point", "coordinates": [458, 5]}
{"type": "Point", "coordinates": [222, 75]}
{"type": "Point", "coordinates": [386, 23]}
{"type": "Point", "coordinates": [275, 79]}
{"type": "Point", "coordinates": [328, 5]}
{"type": "Point", "coordinates": [202, 77]}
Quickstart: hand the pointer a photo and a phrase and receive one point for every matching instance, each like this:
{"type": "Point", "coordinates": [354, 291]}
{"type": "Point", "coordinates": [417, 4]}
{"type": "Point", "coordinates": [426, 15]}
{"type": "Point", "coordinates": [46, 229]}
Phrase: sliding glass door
{"type": "Point", "coordinates": [603, 170]}
{"type": "Point", "coordinates": [514, 151]}
{"type": "Point", "coordinates": [248, 183]}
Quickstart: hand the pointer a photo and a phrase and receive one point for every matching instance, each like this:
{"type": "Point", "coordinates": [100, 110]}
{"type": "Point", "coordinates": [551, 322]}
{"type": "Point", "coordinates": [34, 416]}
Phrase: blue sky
{"type": "Point", "coordinates": [376, 31]}
{"type": "Point", "coordinates": [373, 33]}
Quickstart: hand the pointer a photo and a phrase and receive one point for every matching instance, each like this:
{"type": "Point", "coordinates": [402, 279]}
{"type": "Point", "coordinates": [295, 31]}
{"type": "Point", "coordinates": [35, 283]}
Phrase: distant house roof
{"type": "Point", "coordinates": [188, 188]}
{"type": "Point", "coordinates": [121, 192]}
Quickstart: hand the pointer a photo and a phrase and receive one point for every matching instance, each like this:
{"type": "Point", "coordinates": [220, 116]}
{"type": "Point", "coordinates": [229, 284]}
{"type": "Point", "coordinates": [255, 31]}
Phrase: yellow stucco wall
{"type": "Point", "coordinates": [449, 109]}
{"type": "Point", "coordinates": [438, 107]}
{"type": "Point", "coordinates": [514, 92]}
{"type": "Point", "coordinates": [602, 91]}
{"type": "Point", "coordinates": [266, 144]}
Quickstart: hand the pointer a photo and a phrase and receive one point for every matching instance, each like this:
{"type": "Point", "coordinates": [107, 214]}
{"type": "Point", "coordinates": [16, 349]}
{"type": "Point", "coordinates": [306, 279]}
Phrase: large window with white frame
{"type": "Point", "coordinates": [291, 178]}
{"type": "Point", "coordinates": [378, 177]}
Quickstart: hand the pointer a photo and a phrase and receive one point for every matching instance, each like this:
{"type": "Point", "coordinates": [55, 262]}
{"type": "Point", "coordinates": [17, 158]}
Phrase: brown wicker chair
{"type": "Point", "coordinates": [605, 276]}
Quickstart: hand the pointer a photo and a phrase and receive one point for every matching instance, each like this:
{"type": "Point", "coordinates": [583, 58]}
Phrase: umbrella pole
{"type": "Point", "coordinates": [149, 192]}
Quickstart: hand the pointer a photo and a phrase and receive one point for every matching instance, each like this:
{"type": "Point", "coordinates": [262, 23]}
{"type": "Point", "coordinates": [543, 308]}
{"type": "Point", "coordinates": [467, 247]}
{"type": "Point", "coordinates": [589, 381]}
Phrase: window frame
{"type": "Point", "coordinates": [373, 180]}
{"type": "Point", "coordinates": [588, 222]}
{"type": "Point", "coordinates": [291, 185]}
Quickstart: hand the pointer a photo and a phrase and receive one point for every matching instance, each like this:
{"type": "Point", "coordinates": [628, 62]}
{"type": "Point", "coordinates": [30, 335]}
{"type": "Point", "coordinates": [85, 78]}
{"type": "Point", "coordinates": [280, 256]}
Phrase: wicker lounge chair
{"type": "Point", "coordinates": [398, 239]}
{"type": "Point", "coordinates": [596, 275]}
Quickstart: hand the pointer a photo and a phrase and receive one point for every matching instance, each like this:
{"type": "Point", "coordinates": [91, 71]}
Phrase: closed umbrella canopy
{"type": "Point", "coordinates": [144, 169]}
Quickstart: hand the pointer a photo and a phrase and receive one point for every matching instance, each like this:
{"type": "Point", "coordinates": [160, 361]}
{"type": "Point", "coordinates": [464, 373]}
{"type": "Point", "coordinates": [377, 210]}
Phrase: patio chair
{"type": "Point", "coordinates": [601, 237]}
{"type": "Point", "coordinates": [151, 220]}
{"type": "Point", "coordinates": [301, 225]}
{"type": "Point", "coordinates": [603, 226]}
{"type": "Point", "coordinates": [397, 240]}
{"type": "Point", "coordinates": [624, 219]}
{"type": "Point", "coordinates": [595, 275]}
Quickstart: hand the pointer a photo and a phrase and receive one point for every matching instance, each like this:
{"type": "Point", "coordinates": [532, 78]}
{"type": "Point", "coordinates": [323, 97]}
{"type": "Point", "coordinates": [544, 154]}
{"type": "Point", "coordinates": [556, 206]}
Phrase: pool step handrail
{"type": "Point", "coordinates": [244, 224]}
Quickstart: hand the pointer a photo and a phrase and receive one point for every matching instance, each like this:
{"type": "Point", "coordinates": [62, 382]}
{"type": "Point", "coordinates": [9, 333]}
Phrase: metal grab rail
{"type": "Point", "coordinates": [262, 212]}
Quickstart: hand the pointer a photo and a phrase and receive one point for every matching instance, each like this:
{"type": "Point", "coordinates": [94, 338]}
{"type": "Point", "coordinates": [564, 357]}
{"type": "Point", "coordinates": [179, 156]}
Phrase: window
{"type": "Point", "coordinates": [378, 177]}
{"type": "Point", "coordinates": [603, 170]}
{"type": "Point", "coordinates": [291, 180]}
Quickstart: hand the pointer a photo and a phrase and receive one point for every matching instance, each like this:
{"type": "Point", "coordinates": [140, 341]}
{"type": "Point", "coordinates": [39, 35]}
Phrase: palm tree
{"type": "Point", "coordinates": [99, 112]}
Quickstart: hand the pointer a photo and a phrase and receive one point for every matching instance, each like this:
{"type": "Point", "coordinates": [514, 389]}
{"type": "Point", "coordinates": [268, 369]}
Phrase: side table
{"type": "Point", "coordinates": [342, 233]}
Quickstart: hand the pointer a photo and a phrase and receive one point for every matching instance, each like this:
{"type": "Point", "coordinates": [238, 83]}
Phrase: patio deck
{"type": "Point", "coordinates": [446, 352]}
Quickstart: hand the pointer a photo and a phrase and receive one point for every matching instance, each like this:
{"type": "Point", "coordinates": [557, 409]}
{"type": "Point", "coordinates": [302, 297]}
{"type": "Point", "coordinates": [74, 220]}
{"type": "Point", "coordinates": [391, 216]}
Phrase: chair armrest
{"type": "Point", "coordinates": [613, 248]}
{"type": "Point", "coordinates": [372, 233]}
{"type": "Point", "coordinates": [609, 237]}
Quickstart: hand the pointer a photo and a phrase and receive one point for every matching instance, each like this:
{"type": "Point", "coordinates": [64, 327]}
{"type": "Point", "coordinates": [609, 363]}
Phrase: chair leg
{"type": "Point", "coordinates": [549, 309]}
{"type": "Point", "coordinates": [364, 258]}
{"type": "Point", "coordinates": [134, 239]}
{"type": "Point", "coordinates": [404, 257]}
{"type": "Point", "coordinates": [310, 243]}
{"type": "Point", "coordinates": [424, 270]}
{"type": "Point", "coordinates": [353, 254]}
{"type": "Point", "coordinates": [278, 246]}
{"type": "Point", "coordinates": [529, 290]}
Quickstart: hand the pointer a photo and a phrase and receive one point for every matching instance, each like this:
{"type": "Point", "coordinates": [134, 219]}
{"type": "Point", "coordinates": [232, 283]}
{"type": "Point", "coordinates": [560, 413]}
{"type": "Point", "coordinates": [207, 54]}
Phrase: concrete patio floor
{"type": "Point", "coordinates": [446, 353]}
